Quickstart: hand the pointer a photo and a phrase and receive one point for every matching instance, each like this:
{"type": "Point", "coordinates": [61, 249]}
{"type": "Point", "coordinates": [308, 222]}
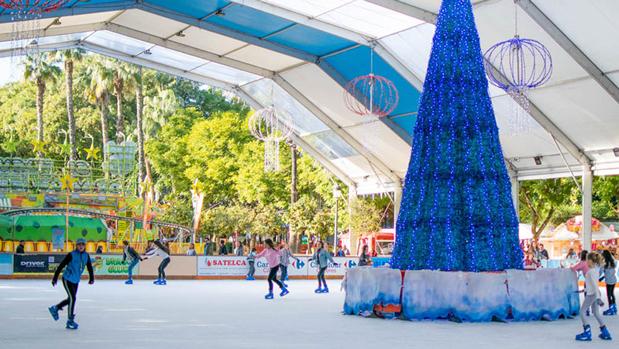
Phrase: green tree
{"type": "Point", "coordinates": [540, 200]}
{"type": "Point", "coordinates": [41, 70]}
{"type": "Point", "coordinates": [70, 57]}
{"type": "Point", "coordinates": [123, 82]}
{"type": "Point", "coordinates": [100, 82]}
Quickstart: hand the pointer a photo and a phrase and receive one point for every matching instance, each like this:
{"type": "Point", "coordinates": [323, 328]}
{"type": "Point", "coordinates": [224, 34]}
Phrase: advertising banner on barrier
{"type": "Point", "coordinates": [295, 268]}
{"type": "Point", "coordinates": [6, 264]}
{"type": "Point", "coordinates": [222, 265]}
{"type": "Point", "coordinates": [36, 263]}
{"type": "Point", "coordinates": [343, 263]}
{"type": "Point", "coordinates": [111, 265]}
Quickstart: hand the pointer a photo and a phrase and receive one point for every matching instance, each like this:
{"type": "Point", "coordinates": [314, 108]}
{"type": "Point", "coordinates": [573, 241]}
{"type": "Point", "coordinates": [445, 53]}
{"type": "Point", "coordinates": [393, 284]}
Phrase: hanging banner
{"type": "Point", "coordinates": [295, 268]}
{"type": "Point", "coordinates": [111, 265]}
{"type": "Point", "coordinates": [343, 264]}
{"type": "Point", "coordinates": [36, 263]}
{"type": "Point", "coordinates": [222, 266]}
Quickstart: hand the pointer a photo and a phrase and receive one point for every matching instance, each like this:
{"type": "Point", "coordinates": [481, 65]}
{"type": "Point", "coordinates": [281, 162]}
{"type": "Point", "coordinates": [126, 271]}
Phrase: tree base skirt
{"type": "Point", "coordinates": [517, 295]}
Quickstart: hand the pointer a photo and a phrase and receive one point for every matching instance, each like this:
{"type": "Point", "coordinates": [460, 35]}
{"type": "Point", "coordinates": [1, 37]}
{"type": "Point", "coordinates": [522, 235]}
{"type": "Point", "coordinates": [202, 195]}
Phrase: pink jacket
{"type": "Point", "coordinates": [581, 266]}
{"type": "Point", "coordinates": [272, 256]}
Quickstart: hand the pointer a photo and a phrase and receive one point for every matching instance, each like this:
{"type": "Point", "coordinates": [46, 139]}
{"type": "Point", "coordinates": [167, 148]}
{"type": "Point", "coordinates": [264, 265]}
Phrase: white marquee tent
{"type": "Point", "coordinates": [304, 51]}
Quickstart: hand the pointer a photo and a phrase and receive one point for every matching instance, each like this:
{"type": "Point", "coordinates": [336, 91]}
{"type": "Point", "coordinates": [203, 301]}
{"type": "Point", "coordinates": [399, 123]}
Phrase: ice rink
{"type": "Point", "coordinates": [233, 314]}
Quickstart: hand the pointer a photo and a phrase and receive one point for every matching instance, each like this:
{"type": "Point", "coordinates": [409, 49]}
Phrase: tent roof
{"type": "Point", "coordinates": [297, 55]}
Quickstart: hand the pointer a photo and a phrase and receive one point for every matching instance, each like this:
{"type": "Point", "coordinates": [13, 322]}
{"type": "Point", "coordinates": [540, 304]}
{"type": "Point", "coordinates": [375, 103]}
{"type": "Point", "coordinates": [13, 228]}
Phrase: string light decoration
{"type": "Point", "coordinates": [516, 66]}
{"type": "Point", "coordinates": [25, 16]}
{"type": "Point", "coordinates": [271, 128]}
{"type": "Point", "coordinates": [371, 94]}
{"type": "Point", "coordinates": [457, 213]}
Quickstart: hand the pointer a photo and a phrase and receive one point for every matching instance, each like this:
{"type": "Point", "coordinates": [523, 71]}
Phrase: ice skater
{"type": "Point", "coordinates": [159, 249]}
{"type": "Point", "coordinates": [284, 251]}
{"type": "Point", "coordinates": [592, 299]}
{"type": "Point", "coordinates": [73, 264]}
{"type": "Point", "coordinates": [251, 260]}
{"type": "Point", "coordinates": [273, 259]}
{"type": "Point", "coordinates": [322, 257]}
{"type": "Point", "coordinates": [610, 277]}
{"type": "Point", "coordinates": [133, 257]}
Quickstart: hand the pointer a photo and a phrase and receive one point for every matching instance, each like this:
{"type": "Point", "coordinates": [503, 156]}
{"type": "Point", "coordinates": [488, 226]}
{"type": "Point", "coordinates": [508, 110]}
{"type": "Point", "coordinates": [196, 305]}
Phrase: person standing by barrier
{"type": "Point", "coordinates": [133, 257]}
{"type": "Point", "coordinates": [73, 264]}
{"type": "Point", "coordinates": [284, 251]}
{"type": "Point", "coordinates": [592, 299]}
{"type": "Point", "coordinates": [322, 257]}
{"type": "Point", "coordinates": [251, 260]}
{"type": "Point", "coordinates": [364, 258]}
{"type": "Point", "coordinates": [160, 250]}
{"type": "Point", "coordinates": [610, 277]}
{"type": "Point", "coordinates": [273, 257]}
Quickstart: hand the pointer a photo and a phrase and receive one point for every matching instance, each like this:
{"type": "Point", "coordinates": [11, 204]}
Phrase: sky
{"type": "Point", "coordinates": [9, 70]}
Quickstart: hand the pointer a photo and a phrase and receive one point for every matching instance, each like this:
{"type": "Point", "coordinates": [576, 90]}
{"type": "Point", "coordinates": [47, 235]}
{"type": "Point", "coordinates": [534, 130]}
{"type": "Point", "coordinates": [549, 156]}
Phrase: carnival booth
{"type": "Point", "coordinates": [559, 240]}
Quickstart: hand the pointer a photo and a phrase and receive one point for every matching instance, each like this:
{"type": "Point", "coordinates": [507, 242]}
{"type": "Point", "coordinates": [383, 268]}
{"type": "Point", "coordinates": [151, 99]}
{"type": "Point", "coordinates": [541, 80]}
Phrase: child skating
{"type": "Point", "coordinates": [159, 249]}
{"type": "Point", "coordinates": [609, 269]}
{"type": "Point", "coordinates": [73, 264]}
{"type": "Point", "coordinates": [133, 257]}
{"type": "Point", "coordinates": [251, 260]}
{"type": "Point", "coordinates": [592, 300]}
{"type": "Point", "coordinates": [284, 251]}
{"type": "Point", "coordinates": [322, 257]}
{"type": "Point", "coordinates": [273, 259]}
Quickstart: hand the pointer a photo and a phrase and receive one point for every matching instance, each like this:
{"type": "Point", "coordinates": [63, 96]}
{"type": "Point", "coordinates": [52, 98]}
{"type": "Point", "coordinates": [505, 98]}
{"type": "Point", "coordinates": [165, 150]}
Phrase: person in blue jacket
{"type": "Point", "coordinates": [73, 264]}
{"type": "Point", "coordinates": [322, 257]}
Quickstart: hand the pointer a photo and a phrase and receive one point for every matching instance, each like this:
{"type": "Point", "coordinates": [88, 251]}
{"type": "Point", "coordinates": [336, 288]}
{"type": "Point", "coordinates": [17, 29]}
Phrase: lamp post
{"type": "Point", "coordinates": [337, 193]}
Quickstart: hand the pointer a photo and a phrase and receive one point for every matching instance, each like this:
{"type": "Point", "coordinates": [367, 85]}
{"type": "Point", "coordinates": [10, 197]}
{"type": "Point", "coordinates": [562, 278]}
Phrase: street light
{"type": "Point", "coordinates": [337, 193]}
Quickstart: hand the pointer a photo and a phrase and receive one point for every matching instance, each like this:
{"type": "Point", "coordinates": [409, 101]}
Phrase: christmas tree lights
{"type": "Point", "coordinates": [457, 212]}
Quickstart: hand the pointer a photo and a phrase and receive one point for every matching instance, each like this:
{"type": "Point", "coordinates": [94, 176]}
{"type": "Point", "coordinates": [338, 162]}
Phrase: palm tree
{"type": "Point", "coordinates": [70, 57]}
{"type": "Point", "coordinates": [139, 110]}
{"type": "Point", "coordinates": [100, 82]}
{"type": "Point", "coordinates": [123, 81]}
{"type": "Point", "coordinates": [41, 70]}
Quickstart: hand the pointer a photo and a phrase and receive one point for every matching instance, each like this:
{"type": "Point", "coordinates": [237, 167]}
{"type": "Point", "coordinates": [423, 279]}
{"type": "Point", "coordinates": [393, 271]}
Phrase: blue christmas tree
{"type": "Point", "coordinates": [457, 212]}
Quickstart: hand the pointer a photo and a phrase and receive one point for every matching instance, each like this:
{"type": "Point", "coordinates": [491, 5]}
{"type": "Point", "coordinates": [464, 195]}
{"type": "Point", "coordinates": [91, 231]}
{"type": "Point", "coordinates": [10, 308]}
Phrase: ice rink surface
{"type": "Point", "coordinates": [233, 314]}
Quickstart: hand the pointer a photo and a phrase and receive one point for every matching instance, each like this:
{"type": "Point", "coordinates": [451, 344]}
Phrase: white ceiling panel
{"type": "Point", "coordinates": [225, 73]}
{"type": "Point", "coordinates": [583, 110]}
{"type": "Point", "coordinates": [380, 140]}
{"type": "Point", "coordinates": [118, 42]}
{"type": "Point", "coordinates": [149, 23]}
{"type": "Point", "coordinates": [311, 8]}
{"type": "Point", "coordinates": [27, 26]}
{"type": "Point", "coordinates": [264, 58]}
{"type": "Point", "coordinates": [208, 41]}
{"type": "Point", "coordinates": [173, 58]}
{"type": "Point", "coordinates": [100, 17]}
{"type": "Point", "coordinates": [591, 25]}
{"type": "Point", "coordinates": [369, 19]}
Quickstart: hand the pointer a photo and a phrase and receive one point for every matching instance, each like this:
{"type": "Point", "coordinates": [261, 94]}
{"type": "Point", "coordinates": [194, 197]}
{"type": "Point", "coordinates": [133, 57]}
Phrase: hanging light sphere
{"type": "Point", "coordinates": [371, 95]}
{"type": "Point", "coordinates": [269, 126]}
{"type": "Point", "coordinates": [521, 64]}
{"type": "Point", "coordinates": [33, 7]}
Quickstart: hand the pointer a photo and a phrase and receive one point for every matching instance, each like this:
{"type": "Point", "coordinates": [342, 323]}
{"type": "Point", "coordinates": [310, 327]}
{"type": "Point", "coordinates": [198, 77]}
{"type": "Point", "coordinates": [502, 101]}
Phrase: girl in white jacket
{"type": "Point", "coordinates": [593, 299]}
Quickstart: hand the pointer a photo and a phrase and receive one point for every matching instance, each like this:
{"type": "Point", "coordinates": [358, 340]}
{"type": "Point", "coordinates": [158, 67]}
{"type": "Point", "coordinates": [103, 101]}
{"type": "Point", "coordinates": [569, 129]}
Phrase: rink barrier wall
{"type": "Point", "coordinates": [110, 266]}
{"type": "Point", "coordinates": [6, 264]}
{"type": "Point", "coordinates": [546, 294]}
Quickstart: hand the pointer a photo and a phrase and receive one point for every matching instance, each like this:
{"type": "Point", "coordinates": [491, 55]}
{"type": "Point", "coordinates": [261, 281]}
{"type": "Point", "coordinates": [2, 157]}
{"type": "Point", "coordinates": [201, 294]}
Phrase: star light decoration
{"type": "Point", "coordinates": [39, 146]}
{"type": "Point", "coordinates": [92, 153]}
{"type": "Point", "coordinates": [67, 182]}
